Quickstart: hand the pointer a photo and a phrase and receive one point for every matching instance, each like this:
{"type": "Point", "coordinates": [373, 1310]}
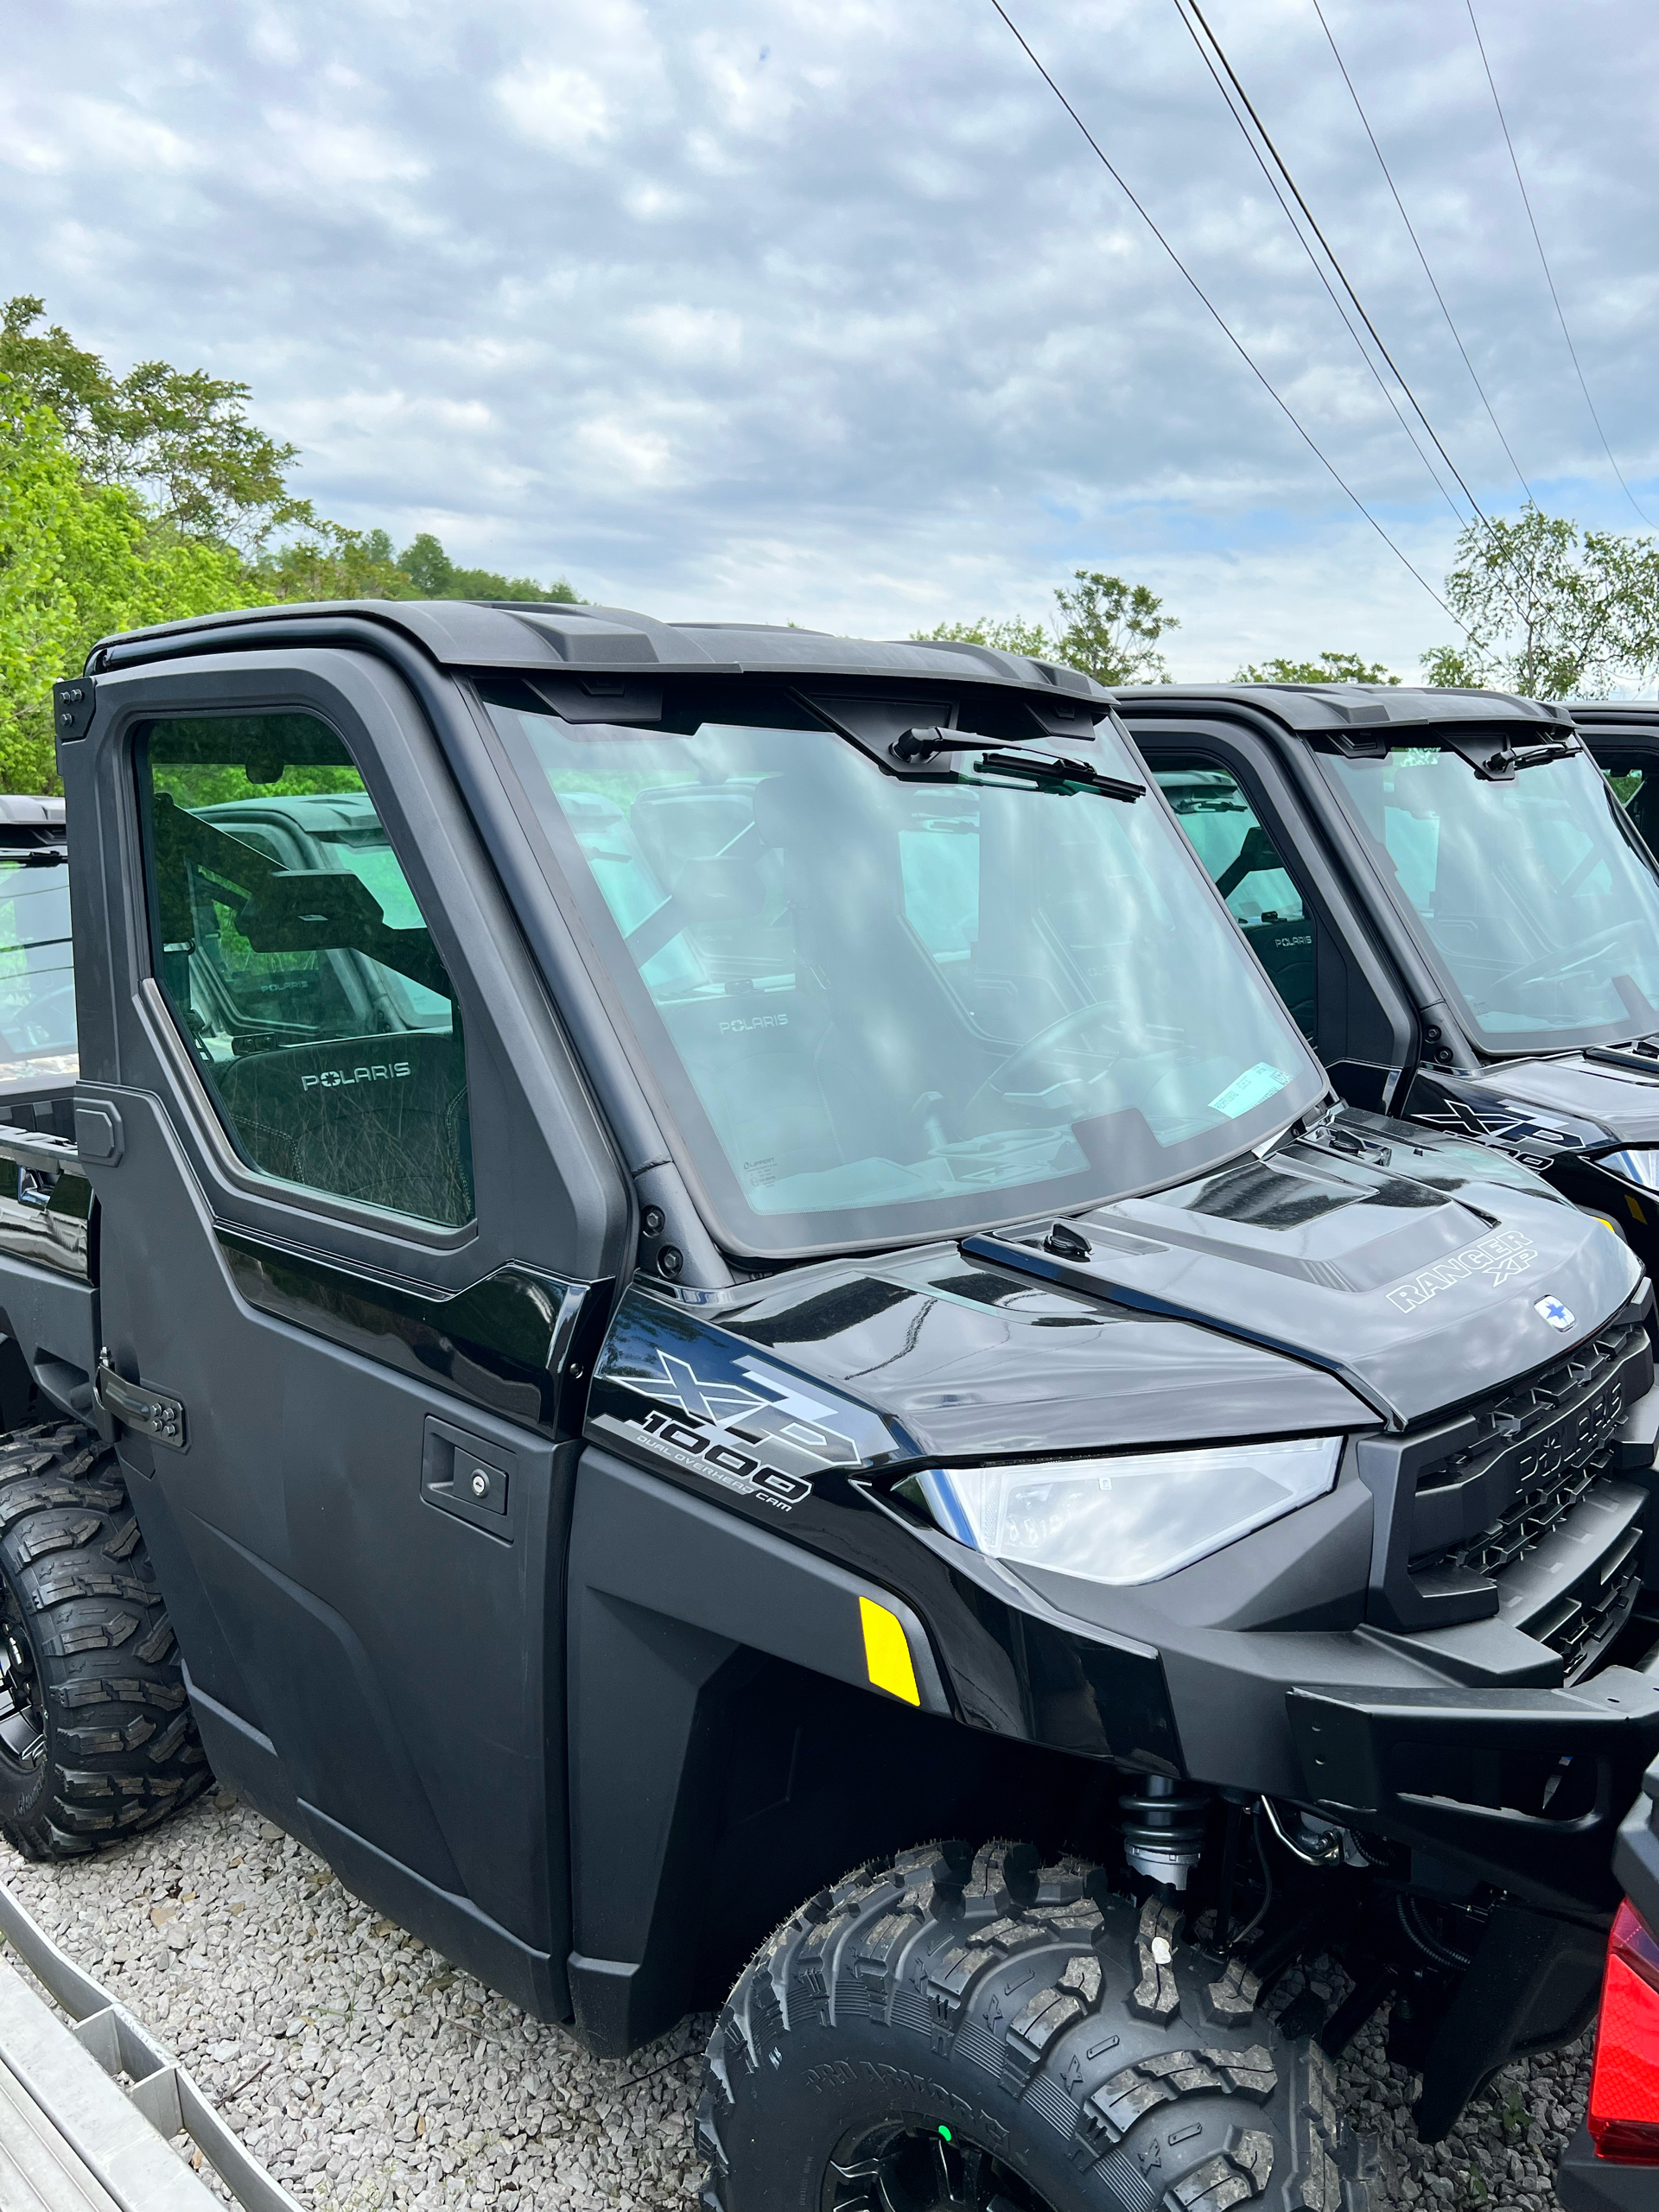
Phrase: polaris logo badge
{"type": "Point", "coordinates": [741, 1025]}
{"type": "Point", "coordinates": [1554, 1311]}
{"type": "Point", "coordinates": [333, 1078]}
{"type": "Point", "coordinates": [1496, 1257]}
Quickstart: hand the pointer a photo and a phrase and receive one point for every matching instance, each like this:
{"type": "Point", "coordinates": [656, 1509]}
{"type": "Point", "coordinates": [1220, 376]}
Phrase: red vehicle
{"type": "Point", "coordinates": [1612, 2164]}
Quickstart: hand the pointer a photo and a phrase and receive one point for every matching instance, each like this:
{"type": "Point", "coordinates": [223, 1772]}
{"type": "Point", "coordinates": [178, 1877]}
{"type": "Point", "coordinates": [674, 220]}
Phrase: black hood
{"type": "Point", "coordinates": [1571, 1102]}
{"type": "Point", "coordinates": [1314, 1290]}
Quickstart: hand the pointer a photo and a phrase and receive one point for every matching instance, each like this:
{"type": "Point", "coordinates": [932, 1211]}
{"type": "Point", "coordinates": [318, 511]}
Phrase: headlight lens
{"type": "Point", "coordinates": [1641, 1168]}
{"type": "Point", "coordinates": [1129, 1519]}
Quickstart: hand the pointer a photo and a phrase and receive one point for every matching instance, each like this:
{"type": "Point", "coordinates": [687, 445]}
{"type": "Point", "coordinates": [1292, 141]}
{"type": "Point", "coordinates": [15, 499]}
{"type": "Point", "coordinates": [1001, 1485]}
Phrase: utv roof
{"type": "Point", "coordinates": [1632, 713]}
{"type": "Point", "coordinates": [538, 635]}
{"type": "Point", "coordinates": [1311, 706]}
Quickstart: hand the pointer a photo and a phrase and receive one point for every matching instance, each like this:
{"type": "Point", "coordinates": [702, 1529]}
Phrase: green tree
{"type": "Point", "coordinates": [1330, 668]}
{"type": "Point", "coordinates": [328, 560]}
{"type": "Point", "coordinates": [1010, 636]}
{"type": "Point", "coordinates": [1549, 611]}
{"type": "Point", "coordinates": [78, 560]}
{"type": "Point", "coordinates": [179, 439]}
{"type": "Point", "coordinates": [432, 574]}
{"type": "Point", "coordinates": [1108, 628]}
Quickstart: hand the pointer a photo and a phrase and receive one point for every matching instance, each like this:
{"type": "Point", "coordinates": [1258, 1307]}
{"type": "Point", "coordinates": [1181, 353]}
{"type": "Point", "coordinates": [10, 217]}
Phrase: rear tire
{"type": "Point", "coordinates": [96, 1737]}
{"type": "Point", "coordinates": [940, 2033]}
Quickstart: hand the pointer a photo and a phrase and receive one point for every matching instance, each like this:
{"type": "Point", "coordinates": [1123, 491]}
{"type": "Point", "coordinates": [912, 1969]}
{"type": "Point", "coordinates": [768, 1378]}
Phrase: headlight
{"type": "Point", "coordinates": [1641, 1168]}
{"type": "Point", "coordinates": [1129, 1519]}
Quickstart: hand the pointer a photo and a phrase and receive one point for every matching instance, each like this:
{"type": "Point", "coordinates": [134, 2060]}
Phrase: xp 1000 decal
{"type": "Point", "coordinates": [698, 1398]}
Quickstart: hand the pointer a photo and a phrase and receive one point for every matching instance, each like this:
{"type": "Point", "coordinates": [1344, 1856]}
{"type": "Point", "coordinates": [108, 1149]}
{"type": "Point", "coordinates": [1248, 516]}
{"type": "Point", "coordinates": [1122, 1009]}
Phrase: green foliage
{"type": "Point", "coordinates": [1330, 668]}
{"type": "Point", "coordinates": [1012, 636]}
{"type": "Point", "coordinates": [430, 573]}
{"type": "Point", "coordinates": [328, 560]}
{"type": "Point", "coordinates": [178, 439]}
{"type": "Point", "coordinates": [1551, 612]}
{"type": "Point", "coordinates": [78, 560]}
{"type": "Point", "coordinates": [1108, 628]}
{"type": "Point", "coordinates": [1111, 629]}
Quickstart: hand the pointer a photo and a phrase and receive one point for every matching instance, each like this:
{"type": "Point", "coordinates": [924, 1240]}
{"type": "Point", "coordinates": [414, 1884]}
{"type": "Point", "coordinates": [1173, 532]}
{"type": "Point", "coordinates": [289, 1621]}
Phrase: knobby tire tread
{"type": "Point", "coordinates": [122, 1751]}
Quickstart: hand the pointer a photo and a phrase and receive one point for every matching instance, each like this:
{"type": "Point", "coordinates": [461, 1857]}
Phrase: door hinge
{"type": "Point", "coordinates": [72, 703]}
{"type": "Point", "coordinates": [136, 1406]}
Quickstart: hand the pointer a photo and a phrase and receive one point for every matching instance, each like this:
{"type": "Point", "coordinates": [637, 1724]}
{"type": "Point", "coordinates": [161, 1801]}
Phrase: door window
{"type": "Point", "coordinates": [293, 957]}
{"type": "Point", "coordinates": [37, 980]}
{"type": "Point", "coordinates": [1245, 863]}
{"type": "Point", "coordinates": [1636, 787]}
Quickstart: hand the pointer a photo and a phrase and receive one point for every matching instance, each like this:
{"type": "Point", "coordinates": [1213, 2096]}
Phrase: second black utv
{"type": "Point", "coordinates": [697, 1256]}
{"type": "Point", "coordinates": [1454, 902]}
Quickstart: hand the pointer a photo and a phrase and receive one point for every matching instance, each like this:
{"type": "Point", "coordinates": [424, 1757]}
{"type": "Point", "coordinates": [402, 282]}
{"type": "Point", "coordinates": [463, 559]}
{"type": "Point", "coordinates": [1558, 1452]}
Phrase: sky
{"type": "Point", "coordinates": [786, 311]}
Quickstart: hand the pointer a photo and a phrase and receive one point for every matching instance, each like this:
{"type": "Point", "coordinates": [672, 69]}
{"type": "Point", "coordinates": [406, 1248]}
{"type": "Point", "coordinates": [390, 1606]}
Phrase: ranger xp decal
{"type": "Point", "coordinates": [1505, 1253]}
{"type": "Point", "coordinates": [706, 1404]}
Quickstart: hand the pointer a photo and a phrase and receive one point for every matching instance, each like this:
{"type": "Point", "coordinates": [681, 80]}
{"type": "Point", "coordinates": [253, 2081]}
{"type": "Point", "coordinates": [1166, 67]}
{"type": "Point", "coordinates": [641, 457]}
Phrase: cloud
{"type": "Point", "coordinates": [784, 311]}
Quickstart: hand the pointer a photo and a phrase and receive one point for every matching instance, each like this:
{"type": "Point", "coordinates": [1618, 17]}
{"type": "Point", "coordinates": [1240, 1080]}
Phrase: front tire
{"type": "Point", "coordinates": [96, 1737]}
{"type": "Point", "coordinates": [940, 2034]}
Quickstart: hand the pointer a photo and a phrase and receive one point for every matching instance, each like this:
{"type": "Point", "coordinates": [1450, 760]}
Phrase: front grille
{"type": "Point", "coordinates": [1540, 1508]}
{"type": "Point", "coordinates": [1565, 1511]}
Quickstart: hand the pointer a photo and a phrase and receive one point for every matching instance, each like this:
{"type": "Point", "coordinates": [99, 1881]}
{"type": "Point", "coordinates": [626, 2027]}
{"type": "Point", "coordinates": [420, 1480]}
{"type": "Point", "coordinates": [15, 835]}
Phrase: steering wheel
{"type": "Point", "coordinates": [1540, 971]}
{"type": "Point", "coordinates": [1017, 1083]}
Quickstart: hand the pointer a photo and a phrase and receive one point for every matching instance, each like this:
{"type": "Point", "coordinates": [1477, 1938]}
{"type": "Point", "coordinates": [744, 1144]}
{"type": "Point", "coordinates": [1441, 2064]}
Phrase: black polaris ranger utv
{"type": "Point", "coordinates": [1454, 904]}
{"type": "Point", "coordinates": [695, 1256]}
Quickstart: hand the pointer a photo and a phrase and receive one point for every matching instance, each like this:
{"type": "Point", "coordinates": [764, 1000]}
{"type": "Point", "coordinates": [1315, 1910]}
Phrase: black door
{"type": "Point", "coordinates": [339, 1231]}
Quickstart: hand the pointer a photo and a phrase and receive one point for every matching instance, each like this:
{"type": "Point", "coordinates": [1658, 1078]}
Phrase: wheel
{"type": "Point", "coordinates": [947, 2035]}
{"type": "Point", "coordinates": [96, 1737]}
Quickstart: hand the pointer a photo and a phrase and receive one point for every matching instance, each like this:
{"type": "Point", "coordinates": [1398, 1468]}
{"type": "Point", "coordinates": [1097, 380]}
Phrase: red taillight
{"type": "Point", "coordinates": [1624, 2088]}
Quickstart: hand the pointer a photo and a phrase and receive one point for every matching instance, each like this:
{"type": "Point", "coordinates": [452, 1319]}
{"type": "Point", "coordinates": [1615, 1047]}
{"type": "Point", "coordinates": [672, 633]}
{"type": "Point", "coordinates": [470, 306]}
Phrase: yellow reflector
{"type": "Point", "coordinates": [886, 1652]}
{"type": "Point", "coordinates": [1636, 1213]}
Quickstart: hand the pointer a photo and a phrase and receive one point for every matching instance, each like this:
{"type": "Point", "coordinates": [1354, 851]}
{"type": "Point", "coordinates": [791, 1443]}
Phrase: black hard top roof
{"type": "Point", "coordinates": [1632, 713]}
{"type": "Point", "coordinates": [545, 635]}
{"type": "Point", "coordinates": [1306, 708]}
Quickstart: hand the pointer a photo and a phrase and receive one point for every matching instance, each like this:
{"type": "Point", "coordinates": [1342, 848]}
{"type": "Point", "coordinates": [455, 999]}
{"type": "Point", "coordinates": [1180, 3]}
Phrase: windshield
{"type": "Point", "coordinates": [37, 980]}
{"type": "Point", "coordinates": [883, 1007]}
{"type": "Point", "coordinates": [1531, 897]}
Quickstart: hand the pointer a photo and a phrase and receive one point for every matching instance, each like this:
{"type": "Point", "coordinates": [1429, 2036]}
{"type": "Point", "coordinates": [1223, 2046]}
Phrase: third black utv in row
{"type": "Point", "coordinates": [697, 1256]}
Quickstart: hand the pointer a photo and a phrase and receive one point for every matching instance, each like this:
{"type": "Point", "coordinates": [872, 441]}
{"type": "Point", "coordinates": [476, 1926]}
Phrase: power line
{"type": "Point", "coordinates": [1277, 190]}
{"type": "Point", "coordinates": [1182, 6]}
{"type": "Point", "coordinates": [1422, 255]}
{"type": "Point", "coordinates": [1215, 317]}
{"type": "Point", "coordinates": [1544, 258]}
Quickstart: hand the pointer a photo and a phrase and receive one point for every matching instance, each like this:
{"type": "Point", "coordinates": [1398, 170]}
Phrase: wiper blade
{"type": "Point", "coordinates": [1055, 768]}
{"type": "Point", "coordinates": [914, 746]}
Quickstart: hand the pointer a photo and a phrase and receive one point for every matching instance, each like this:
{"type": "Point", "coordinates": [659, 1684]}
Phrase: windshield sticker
{"type": "Point", "coordinates": [1250, 1089]}
{"type": "Point", "coordinates": [1496, 1257]}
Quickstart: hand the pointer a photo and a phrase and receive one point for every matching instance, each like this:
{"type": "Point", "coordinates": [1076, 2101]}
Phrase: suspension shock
{"type": "Point", "coordinates": [1164, 1826]}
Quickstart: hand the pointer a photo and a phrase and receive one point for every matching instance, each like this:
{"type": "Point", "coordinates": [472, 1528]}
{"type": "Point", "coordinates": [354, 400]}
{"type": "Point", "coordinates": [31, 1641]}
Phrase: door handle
{"type": "Point", "coordinates": [150, 1413]}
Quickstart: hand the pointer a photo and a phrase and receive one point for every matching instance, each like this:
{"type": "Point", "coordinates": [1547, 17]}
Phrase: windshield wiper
{"type": "Point", "coordinates": [1499, 761]}
{"type": "Point", "coordinates": [914, 746]}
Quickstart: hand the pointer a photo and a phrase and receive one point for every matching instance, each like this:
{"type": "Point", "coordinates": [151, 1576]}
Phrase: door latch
{"type": "Point", "coordinates": [136, 1406]}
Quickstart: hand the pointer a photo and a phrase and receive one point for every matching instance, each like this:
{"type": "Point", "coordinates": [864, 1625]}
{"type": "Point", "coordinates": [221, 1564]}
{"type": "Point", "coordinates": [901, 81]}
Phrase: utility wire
{"type": "Point", "coordinates": [1422, 255]}
{"type": "Point", "coordinates": [1182, 7]}
{"type": "Point", "coordinates": [1544, 258]}
{"type": "Point", "coordinates": [1318, 267]}
{"type": "Point", "coordinates": [1215, 317]}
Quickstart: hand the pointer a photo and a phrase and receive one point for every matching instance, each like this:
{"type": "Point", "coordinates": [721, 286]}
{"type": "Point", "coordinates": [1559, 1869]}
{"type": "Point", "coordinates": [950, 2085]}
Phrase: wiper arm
{"type": "Point", "coordinates": [1498, 761]}
{"type": "Point", "coordinates": [914, 746]}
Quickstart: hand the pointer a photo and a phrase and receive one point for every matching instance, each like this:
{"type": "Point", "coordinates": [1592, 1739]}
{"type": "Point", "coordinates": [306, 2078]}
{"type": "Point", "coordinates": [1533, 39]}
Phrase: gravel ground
{"type": "Point", "coordinates": [367, 2073]}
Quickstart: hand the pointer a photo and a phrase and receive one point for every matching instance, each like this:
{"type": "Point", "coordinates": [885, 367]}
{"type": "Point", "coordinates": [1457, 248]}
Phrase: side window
{"type": "Point", "coordinates": [1635, 786]}
{"type": "Point", "coordinates": [37, 980]}
{"type": "Point", "coordinates": [1251, 876]}
{"type": "Point", "coordinates": [295, 962]}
